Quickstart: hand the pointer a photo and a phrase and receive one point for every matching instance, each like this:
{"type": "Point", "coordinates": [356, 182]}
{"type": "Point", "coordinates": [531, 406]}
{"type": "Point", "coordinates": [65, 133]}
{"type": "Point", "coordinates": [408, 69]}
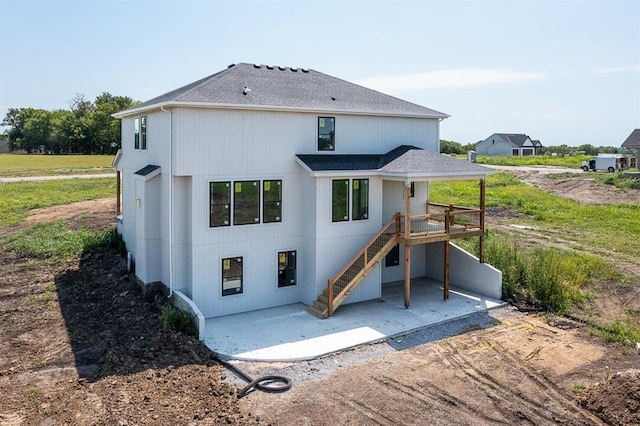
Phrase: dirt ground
{"type": "Point", "coordinates": [82, 346]}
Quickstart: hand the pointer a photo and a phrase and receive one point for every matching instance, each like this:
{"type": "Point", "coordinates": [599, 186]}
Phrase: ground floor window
{"type": "Point", "coordinates": [515, 151]}
{"type": "Point", "coordinates": [272, 204]}
{"type": "Point", "coordinates": [231, 276]}
{"type": "Point", "coordinates": [393, 258]}
{"type": "Point", "coordinates": [243, 203]}
{"type": "Point", "coordinates": [341, 189]}
{"type": "Point", "coordinates": [219, 204]}
{"type": "Point", "coordinates": [287, 266]}
{"type": "Point", "coordinates": [340, 200]}
{"type": "Point", "coordinates": [246, 202]}
{"type": "Point", "coordinates": [527, 151]}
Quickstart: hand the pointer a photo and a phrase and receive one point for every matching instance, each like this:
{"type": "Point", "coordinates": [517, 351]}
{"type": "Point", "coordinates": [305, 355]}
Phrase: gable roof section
{"type": "Point", "coordinates": [516, 139]}
{"type": "Point", "coordinates": [633, 141]}
{"type": "Point", "coordinates": [283, 88]}
{"type": "Point", "coordinates": [404, 162]}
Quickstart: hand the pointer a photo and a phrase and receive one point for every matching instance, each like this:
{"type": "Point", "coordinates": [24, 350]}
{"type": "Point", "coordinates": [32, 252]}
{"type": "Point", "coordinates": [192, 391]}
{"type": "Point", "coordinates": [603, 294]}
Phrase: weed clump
{"type": "Point", "coordinates": [177, 320]}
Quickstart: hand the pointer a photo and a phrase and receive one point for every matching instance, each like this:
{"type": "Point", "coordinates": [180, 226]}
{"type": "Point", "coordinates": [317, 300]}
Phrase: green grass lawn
{"type": "Point", "coordinates": [573, 161]}
{"type": "Point", "coordinates": [18, 198]}
{"type": "Point", "coordinates": [13, 165]}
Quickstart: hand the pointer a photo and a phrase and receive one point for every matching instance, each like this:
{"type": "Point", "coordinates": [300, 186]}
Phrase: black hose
{"type": "Point", "coordinates": [271, 383]}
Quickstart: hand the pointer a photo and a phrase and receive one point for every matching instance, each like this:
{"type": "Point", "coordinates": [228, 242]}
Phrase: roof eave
{"type": "Point", "coordinates": [175, 104]}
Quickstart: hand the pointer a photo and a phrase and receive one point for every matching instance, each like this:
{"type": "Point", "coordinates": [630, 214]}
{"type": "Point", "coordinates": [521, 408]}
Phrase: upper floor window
{"type": "Point", "coordinates": [340, 200]}
{"type": "Point", "coordinates": [143, 132]}
{"type": "Point", "coordinates": [360, 199]}
{"type": "Point", "coordinates": [219, 203]}
{"type": "Point", "coordinates": [136, 133]}
{"type": "Point", "coordinates": [140, 133]}
{"type": "Point", "coordinates": [326, 134]}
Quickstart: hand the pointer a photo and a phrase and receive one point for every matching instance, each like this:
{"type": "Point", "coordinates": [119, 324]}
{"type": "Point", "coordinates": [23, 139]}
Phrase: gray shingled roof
{"type": "Point", "coordinates": [284, 87]}
{"type": "Point", "coordinates": [517, 139]}
{"type": "Point", "coordinates": [404, 160]}
{"type": "Point", "coordinates": [146, 170]}
{"type": "Point", "coordinates": [633, 141]}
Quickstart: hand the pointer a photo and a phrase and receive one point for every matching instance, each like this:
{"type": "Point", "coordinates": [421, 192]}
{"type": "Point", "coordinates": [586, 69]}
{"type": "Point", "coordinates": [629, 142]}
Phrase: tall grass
{"type": "Point", "coordinates": [551, 278]}
{"type": "Point", "coordinates": [604, 227]}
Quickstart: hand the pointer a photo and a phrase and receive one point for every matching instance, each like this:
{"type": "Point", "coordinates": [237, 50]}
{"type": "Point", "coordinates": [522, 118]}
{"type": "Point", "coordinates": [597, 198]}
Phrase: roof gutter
{"type": "Point", "coordinates": [206, 105]}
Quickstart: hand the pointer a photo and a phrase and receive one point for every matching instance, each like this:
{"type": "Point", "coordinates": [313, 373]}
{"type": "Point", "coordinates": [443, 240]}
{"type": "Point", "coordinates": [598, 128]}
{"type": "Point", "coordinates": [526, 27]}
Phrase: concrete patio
{"type": "Point", "coordinates": [290, 333]}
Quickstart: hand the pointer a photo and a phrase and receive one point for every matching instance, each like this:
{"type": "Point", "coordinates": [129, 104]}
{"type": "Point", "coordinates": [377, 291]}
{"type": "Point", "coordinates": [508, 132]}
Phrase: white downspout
{"type": "Point", "coordinates": [171, 218]}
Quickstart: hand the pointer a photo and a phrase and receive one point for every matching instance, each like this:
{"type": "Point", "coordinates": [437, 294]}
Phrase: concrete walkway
{"type": "Point", "coordinates": [58, 177]}
{"type": "Point", "coordinates": [290, 333]}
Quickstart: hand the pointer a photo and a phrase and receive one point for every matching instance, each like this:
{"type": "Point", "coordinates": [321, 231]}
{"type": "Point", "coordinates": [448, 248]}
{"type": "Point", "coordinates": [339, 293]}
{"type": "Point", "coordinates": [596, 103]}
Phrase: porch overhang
{"type": "Point", "coordinates": [405, 163]}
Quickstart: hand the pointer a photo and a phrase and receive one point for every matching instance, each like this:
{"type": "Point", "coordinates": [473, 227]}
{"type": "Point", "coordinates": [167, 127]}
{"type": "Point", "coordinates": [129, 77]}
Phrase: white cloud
{"type": "Point", "coordinates": [608, 70]}
{"type": "Point", "coordinates": [470, 77]}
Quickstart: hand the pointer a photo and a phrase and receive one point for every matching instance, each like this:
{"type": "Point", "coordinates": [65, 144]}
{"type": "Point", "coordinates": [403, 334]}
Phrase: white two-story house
{"type": "Point", "coordinates": [259, 186]}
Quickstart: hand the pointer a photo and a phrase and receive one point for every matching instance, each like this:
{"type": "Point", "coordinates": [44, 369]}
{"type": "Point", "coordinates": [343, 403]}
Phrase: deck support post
{"type": "Point", "coordinates": [482, 207]}
{"type": "Point", "coordinates": [446, 270]}
{"type": "Point", "coordinates": [407, 246]}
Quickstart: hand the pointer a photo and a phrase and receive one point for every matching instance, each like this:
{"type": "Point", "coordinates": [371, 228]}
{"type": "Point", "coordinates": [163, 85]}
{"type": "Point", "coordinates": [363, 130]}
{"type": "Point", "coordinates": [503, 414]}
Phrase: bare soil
{"type": "Point", "coordinates": [81, 345]}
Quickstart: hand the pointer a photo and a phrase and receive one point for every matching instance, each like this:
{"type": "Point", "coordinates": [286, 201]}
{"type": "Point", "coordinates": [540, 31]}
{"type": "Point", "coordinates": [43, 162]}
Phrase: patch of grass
{"type": "Point", "coordinates": [603, 226]}
{"type": "Point", "coordinates": [529, 160]}
{"type": "Point", "coordinates": [177, 320]}
{"type": "Point", "coordinates": [13, 165]}
{"type": "Point", "coordinates": [31, 392]}
{"type": "Point", "coordinates": [56, 240]}
{"type": "Point", "coordinates": [625, 329]}
{"type": "Point", "coordinates": [16, 199]}
{"type": "Point", "coordinates": [578, 387]}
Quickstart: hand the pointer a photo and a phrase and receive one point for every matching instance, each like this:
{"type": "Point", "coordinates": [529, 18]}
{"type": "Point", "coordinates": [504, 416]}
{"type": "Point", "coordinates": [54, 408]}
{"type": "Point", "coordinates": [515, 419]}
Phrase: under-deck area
{"type": "Point", "coordinates": [287, 333]}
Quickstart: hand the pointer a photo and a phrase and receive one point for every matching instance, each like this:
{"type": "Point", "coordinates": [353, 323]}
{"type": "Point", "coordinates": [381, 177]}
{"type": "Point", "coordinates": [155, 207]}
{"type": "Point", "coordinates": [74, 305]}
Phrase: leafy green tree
{"type": "Point", "coordinates": [450, 147]}
{"type": "Point", "coordinates": [588, 149]}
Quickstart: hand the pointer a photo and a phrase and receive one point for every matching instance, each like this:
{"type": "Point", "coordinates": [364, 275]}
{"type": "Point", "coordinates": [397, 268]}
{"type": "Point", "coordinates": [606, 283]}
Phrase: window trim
{"type": "Point", "coordinates": [332, 144]}
{"type": "Point", "coordinates": [228, 204]}
{"type": "Point", "coordinates": [295, 267]}
{"type": "Point", "coordinates": [347, 203]}
{"type": "Point", "coordinates": [360, 215]}
{"type": "Point", "coordinates": [239, 259]}
{"type": "Point", "coordinates": [255, 204]}
{"type": "Point", "coordinates": [278, 219]}
{"type": "Point", "coordinates": [261, 202]}
{"type": "Point", "coordinates": [350, 199]}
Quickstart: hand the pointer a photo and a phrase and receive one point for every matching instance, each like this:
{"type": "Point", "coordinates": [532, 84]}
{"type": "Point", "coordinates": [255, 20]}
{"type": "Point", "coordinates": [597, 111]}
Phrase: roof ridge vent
{"type": "Point", "coordinates": [294, 69]}
{"type": "Point", "coordinates": [282, 68]}
{"type": "Point", "coordinates": [305, 70]}
{"type": "Point", "coordinates": [257, 66]}
{"type": "Point", "coordinates": [231, 65]}
{"type": "Point", "coordinates": [270, 67]}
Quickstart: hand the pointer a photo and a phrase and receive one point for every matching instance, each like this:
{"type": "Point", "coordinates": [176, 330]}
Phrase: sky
{"type": "Point", "coordinates": [563, 71]}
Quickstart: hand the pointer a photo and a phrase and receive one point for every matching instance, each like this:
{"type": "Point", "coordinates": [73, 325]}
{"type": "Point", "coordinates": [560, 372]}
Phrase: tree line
{"type": "Point", "coordinates": [85, 128]}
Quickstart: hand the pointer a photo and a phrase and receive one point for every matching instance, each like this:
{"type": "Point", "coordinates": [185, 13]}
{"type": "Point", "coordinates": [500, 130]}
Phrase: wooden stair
{"type": "Point", "coordinates": [356, 271]}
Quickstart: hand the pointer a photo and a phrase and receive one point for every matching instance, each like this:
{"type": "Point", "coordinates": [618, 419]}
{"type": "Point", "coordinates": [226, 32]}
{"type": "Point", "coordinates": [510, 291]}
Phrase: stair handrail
{"type": "Point", "coordinates": [331, 282]}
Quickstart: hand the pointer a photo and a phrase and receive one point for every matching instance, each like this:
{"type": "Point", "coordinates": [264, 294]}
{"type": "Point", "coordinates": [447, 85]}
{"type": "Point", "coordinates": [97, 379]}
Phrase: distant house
{"type": "Point", "coordinates": [633, 141]}
{"type": "Point", "coordinates": [4, 147]}
{"type": "Point", "coordinates": [256, 186]}
{"type": "Point", "coordinates": [509, 144]}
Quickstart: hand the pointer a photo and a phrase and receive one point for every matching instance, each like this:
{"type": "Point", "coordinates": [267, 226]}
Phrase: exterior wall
{"type": "Point", "coordinates": [494, 145]}
{"type": "Point", "coordinates": [224, 145]}
{"type": "Point", "coordinates": [219, 142]}
{"type": "Point", "coordinates": [465, 270]}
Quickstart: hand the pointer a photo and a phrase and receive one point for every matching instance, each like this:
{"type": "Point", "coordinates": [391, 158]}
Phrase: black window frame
{"type": "Point", "coordinates": [271, 202]}
{"type": "Point", "coordinates": [240, 214]}
{"type": "Point", "coordinates": [287, 268]}
{"type": "Point", "coordinates": [136, 133]}
{"type": "Point", "coordinates": [343, 203]}
{"type": "Point", "coordinates": [326, 139]}
{"type": "Point", "coordinates": [235, 269]}
{"type": "Point", "coordinates": [143, 133]}
{"type": "Point", "coordinates": [358, 211]}
{"type": "Point", "coordinates": [217, 207]}
{"type": "Point", "coordinates": [393, 257]}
